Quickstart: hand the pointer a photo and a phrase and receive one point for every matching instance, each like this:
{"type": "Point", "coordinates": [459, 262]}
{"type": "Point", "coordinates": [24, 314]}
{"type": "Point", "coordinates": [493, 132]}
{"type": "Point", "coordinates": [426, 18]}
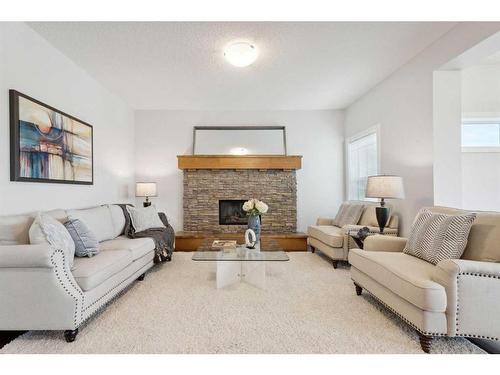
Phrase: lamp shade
{"type": "Point", "coordinates": [145, 189]}
{"type": "Point", "coordinates": [385, 187]}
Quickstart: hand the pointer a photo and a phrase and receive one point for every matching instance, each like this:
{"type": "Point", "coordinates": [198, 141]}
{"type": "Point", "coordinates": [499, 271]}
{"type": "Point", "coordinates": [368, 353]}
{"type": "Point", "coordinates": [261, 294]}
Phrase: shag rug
{"type": "Point", "coordinates": [308, 307]}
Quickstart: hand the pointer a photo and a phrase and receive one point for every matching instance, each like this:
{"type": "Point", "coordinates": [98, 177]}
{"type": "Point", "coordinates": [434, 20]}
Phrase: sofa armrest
{"type": "Point", "coordinates": [38, 290]}
{"type": "Point", "coordinates": [384, 243]}
{"type": "Point", "coordinates": [473, 296]}
{"type": "Point", "coordinates": [26, 256]}
{"type": "Point", "coordinates": [324, 221]}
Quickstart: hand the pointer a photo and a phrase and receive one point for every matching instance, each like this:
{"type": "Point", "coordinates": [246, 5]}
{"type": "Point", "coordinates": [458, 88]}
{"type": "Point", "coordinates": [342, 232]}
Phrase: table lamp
{"type": "Point", "coordinates": [384, 187]}
{"type": "Point", "coordinates": [145, 189]}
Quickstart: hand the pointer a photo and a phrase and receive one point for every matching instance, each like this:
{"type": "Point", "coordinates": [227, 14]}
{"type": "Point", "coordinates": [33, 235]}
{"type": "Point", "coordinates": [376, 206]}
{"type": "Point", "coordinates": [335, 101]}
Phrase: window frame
{"type": "Point", "coordinates": [375, 129]}
{"type": "Point", "coordinates": [480, 120]}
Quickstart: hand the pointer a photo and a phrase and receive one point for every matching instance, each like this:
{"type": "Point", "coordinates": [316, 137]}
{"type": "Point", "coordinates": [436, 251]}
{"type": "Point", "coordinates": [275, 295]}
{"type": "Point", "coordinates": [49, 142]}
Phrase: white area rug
{"type": "Point", "coordinates": [308, 307]}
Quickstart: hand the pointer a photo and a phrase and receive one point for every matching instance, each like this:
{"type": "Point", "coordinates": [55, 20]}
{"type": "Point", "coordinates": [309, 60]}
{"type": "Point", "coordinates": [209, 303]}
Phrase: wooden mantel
{"type": "Point", "coordinates": [239, 162]}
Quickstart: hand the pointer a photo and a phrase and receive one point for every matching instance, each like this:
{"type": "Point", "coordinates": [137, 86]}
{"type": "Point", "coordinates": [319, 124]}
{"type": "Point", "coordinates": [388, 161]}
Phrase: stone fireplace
{"type": "Point", "coordinates": [213, 197]}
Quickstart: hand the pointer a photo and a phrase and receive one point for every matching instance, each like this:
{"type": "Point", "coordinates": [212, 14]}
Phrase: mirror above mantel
{"type": "Point", "coordinates": [239, 140]}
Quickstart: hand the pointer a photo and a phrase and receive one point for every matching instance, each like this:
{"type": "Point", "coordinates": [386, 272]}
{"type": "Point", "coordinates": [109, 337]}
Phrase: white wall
{"type": "Point", "coordinates": [447, 119]}
{"type": "Point", "coordinates": [29, 64]}
{"type": "Point", "coordinates": [402, 105]}
{"type": "Point", "coordinates": [317, 135]}
{"type": "Point", "coordinates": [481, 170]}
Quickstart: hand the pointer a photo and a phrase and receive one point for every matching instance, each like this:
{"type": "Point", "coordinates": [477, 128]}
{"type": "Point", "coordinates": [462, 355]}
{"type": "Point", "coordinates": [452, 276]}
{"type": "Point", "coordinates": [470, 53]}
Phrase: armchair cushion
{"type": "Point", "coordinates": [405, 275]}
{"type": "Point", "coordinates": [328, 234]}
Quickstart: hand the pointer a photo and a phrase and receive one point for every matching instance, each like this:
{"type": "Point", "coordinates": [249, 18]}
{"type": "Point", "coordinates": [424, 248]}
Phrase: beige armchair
{"type": "Point", "coordinates": [335, 242]}
{"type": "Point", "coordinates": [456, 297]}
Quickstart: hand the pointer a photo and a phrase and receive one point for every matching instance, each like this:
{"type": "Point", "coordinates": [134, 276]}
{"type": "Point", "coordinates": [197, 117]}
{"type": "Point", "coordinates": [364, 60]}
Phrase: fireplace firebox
{"type": "Point", "coordinates": [231, 212]}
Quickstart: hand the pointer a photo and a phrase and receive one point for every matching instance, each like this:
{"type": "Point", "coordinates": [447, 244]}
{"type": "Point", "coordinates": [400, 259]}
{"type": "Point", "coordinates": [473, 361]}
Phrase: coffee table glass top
{"type": "Point", "coordinates": [269, 251]}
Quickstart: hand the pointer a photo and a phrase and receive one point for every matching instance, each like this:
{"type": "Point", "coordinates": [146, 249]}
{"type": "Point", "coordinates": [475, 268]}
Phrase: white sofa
{"type": "Point", "coordinates": [39, 291]}
{"type": "Point", "coordinates": [456, 297]}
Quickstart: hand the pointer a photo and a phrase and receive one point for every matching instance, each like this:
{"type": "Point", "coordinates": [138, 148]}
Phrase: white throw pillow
{"type": "Point", "coordinates": [144, 218]}
{"type": "Point", "coordinates": [46, 229]}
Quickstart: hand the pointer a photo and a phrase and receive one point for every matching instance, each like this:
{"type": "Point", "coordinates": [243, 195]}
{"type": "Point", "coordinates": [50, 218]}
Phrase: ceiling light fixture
{"type": "Point", "coordinates": [241, 54]}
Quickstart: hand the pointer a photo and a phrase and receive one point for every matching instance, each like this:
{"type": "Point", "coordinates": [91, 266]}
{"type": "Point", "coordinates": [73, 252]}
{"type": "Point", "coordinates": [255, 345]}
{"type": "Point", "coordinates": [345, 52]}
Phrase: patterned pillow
{"type": "Point", "coordinates": [144, 218]}
{"type": "Point", "coordinates": [348, 214]}
{"type": "Point", "coordinates": [86, 243]}
{"type": "Point", "coordinates": [434, 237]}
{"type": "Point", "coordinates": [46, 229]}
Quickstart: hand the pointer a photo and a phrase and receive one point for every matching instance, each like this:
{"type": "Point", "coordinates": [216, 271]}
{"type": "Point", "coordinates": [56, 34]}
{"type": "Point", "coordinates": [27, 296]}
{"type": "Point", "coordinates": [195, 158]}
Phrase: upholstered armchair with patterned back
{"type": "Point", "coordinates": [454, 297]}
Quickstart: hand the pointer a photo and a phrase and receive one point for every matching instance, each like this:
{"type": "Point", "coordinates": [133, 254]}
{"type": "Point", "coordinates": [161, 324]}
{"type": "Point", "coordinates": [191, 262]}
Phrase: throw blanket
{"type": "Point", "coordinates": [163, 237]}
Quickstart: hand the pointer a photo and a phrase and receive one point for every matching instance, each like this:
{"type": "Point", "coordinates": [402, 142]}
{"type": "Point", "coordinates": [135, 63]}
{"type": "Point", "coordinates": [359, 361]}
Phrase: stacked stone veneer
{"type": "Point", "coordinates": [203, 188]}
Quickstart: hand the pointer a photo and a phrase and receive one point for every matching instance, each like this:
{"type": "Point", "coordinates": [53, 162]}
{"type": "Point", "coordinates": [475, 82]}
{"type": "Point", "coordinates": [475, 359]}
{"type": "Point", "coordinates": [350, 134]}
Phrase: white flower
{"type": "Point", "coordinates": [248, 205]}
{"type": "Point", "coordinates": [261, 207]}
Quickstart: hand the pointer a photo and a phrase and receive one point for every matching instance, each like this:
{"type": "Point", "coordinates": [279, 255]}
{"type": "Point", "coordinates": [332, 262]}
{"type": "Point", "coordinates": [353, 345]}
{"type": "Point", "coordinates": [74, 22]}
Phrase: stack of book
{"type": "Point", "coordinates": [225, 245]}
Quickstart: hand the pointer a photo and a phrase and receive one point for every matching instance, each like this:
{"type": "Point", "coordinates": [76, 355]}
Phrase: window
{"type": "Point", "coordinates": [362, 161]}
{"type": "Point", "coordinates": [481, 135]}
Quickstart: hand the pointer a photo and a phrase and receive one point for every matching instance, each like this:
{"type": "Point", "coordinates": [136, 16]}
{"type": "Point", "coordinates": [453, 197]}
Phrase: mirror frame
{"type": "Point", "coordinates": [283, 128]}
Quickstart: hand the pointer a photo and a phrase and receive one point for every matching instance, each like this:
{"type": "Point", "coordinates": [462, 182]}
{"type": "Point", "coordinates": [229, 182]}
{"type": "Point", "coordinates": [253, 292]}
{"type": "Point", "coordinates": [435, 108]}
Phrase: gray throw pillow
{"type": "Point", "coordinates": [435, 237]}
{"type": "Point", "coordinates": [86, 243]}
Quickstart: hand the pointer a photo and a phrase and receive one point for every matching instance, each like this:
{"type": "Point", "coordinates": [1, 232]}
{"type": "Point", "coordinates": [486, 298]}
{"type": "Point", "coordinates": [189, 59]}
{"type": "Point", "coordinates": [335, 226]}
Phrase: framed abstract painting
{"type": "Point", "coordinates": [47, 145]}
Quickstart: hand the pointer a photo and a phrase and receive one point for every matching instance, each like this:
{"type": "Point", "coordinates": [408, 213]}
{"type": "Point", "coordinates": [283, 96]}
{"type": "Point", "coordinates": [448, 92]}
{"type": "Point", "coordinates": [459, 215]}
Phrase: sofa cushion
{"type": "Point", "coordinates": [90, 272]}
{"type": "Point", "coordinates": [118, 219]}
{"type": "Point", "coordinates": [328, 234]}
{"type": "Point", "coordinates": [407, 276]}
{"type": "Point", "coordinates": [97, 219]}
{"type": "Point", "coordinates": [14, 228]}
{"type": "Point", "coordinates": [435, 236]}
{"type": "Point", "coordinates": [137, 246]}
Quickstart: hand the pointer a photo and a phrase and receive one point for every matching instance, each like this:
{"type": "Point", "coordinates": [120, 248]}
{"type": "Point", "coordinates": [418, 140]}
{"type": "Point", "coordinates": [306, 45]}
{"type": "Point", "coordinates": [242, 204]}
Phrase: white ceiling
{"type": "Point", "coordinates": [302, 65]}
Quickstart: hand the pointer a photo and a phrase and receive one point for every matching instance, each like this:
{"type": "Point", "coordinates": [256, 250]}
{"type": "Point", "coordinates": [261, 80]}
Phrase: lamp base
{"type": "Point", "coordinates": [146, 203]}
{"type": "Point", "coordinates": [382, 217]}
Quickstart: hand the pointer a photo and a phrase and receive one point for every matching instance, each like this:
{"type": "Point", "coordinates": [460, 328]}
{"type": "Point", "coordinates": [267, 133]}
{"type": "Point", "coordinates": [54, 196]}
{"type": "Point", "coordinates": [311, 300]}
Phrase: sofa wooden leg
{"type": "Point", "coordinates": [140, 278]}
{"type": "Point", "coordinates": [425, 342]}
{"type": "Point", "coordinates": [335, 263]}
{"type": "Point", "coordinates": [313, 249]}
{"type": "Point", "coordinates": [359, 290]}
{"type": "Point", "coordinates": [70, 335]}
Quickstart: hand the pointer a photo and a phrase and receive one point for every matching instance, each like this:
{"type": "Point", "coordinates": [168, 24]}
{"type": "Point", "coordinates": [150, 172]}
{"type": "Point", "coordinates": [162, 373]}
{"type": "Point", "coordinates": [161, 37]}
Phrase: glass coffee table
{"type": "Point", "coordinates": [241, 264]}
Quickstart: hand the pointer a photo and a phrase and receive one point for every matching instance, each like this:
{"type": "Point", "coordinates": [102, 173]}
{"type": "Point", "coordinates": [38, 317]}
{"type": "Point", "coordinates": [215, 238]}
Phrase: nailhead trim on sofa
{"type": "Point", "coordinates": [110, 294]}
{"type": "Point", "coordinates": [67, 280]}
{"type": "Point", "coordinates": [458, 305]}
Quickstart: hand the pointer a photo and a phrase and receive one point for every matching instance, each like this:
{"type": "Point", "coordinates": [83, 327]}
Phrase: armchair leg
{"type": "Point", "coordinates": [359, 290]}
{"type": "Point", "coordinates": [70, 335]}
{"type": "Point", "coordinates": [335, 263]}
{"type": "Point", "coordinates": [141, 277]}
{"type": "Point", "coordinates": [313, 249]}
{"type": "Point", "coordinates": [425, 342]}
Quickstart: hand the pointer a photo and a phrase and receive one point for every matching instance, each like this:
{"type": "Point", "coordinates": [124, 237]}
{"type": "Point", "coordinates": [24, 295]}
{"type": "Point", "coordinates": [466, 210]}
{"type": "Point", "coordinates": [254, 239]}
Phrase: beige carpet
{"type": "Point", "coordinates": [308, 307]}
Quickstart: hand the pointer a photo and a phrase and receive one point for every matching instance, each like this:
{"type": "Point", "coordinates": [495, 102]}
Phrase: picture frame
{"type": "Point", "coordinates": [48, 145]}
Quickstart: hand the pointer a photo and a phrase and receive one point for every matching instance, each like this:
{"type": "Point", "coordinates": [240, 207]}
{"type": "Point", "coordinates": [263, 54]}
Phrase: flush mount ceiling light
{"type": "Point", "coordinates": [240, 54]}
